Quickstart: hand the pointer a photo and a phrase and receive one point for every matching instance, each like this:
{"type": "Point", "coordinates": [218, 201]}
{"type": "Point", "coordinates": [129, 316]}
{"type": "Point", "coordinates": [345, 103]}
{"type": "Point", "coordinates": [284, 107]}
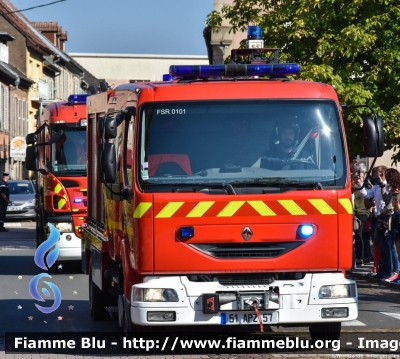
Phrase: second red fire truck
{"type": "Point", "coordinates": [61, 172]}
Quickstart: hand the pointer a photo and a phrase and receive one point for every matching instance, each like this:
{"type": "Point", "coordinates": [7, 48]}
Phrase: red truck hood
{"type": "Point", "coordinates": [219, 244]}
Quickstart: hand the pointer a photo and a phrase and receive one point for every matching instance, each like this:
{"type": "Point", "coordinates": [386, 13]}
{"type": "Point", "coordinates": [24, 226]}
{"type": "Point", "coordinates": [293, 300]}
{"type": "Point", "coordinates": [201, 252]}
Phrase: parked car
{"type": "Point", "coordinates": [22, 196]}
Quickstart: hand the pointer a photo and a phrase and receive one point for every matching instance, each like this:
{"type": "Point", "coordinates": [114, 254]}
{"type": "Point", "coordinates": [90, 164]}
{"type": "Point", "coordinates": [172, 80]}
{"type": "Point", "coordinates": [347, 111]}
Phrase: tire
{"type": "Point", "coordinates": [130, 329]}
{"type": "Point", "coordinates": [98, 299]}
{"type": "Point", "coordinates": [128, 325]}
{"type": "Point", "coordinates": [121, 312]}
{"type": "Point", "coordinates": [39, 231]}
{"type": "Point", "coordinates": [325, 331]}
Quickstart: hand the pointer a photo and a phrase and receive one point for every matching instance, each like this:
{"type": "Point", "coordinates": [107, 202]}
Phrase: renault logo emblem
{"type": "Point", "coordinates": [247, 233]}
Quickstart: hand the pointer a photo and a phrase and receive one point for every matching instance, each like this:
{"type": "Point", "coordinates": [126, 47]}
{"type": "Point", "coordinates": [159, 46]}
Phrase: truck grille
{"type": "Point", "coordinates": [246, 250]}
{"type": "Point", "coordinates": [246, 279]}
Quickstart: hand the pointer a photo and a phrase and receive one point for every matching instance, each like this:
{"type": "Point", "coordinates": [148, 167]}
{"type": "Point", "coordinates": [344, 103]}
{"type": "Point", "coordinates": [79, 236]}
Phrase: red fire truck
{"type": "Point", "coordinates": [195, 217]}
{"type": "Point", "coordinates": [61, 172]}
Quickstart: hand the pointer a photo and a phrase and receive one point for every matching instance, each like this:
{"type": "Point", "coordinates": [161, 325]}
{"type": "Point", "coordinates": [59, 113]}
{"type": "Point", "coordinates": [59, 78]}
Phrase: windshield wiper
{"type": "Point", "coordinates": [225, 186]}
{"type": "Point", "coordinates": [286, 186]}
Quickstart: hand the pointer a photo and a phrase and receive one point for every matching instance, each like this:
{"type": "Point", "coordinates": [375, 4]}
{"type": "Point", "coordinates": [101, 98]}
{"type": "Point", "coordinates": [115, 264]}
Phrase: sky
{"type": "Point", "coordinates": [173, 27]}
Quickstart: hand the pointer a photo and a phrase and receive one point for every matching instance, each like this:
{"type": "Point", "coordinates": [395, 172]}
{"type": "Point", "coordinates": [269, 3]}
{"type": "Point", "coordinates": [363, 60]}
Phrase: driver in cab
{"type": "Point", "coordinates": [280, 155]}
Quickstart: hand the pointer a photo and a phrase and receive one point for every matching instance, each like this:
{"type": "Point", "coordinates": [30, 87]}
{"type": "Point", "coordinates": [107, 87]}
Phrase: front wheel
{"type": "Point", "coordinates": [40, 230]}
{"type": "Point", "coordinates": [325, 331]}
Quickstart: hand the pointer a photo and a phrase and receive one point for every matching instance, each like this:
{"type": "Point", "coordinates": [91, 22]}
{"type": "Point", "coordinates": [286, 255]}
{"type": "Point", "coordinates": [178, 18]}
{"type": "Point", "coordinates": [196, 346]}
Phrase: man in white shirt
{"type": "Point", "coordinates": [376, 191]}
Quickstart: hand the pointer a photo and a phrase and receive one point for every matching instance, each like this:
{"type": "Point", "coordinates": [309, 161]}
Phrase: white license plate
{"type": "Point", "coordinates": [248, 318]}
{"type": "Point", "coordinates": [13, 209]}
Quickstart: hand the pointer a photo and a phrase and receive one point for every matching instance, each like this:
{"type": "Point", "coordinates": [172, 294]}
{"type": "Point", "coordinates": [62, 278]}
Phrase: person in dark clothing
{"type": "Point", "coordinates": [389, 267]}
{"type": "Point", "coordinates": [279, 155]}
{"type": "Point", "coordinates": [366, 237]}
{"type": "Point", "coordinates": [393, 235]}
{"type": "Point", "coordinates": [4, 200]}
{"type": "Point", "coordinates": [361, 215]}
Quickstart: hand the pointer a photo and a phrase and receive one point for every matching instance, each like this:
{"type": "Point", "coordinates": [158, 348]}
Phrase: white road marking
{"type": "Point", "coordinates": [393, 315]}
{"type": "Point", "coordinates": [353, 323]}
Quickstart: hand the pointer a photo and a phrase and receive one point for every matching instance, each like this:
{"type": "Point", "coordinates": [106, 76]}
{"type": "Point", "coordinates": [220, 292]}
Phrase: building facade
{"type": "Point", "coordinates": [34, 71]}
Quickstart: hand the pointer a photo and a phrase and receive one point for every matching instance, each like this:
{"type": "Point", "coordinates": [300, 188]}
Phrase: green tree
{"type": "Point", "coordinates": [353, 45]}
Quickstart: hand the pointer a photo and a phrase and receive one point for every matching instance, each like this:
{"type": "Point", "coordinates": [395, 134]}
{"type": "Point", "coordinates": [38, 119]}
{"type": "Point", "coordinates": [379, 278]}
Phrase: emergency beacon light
{"type": "Point", "coordinates": [233, 70]}
{"type": "Point", "coordinates": [81, 98]}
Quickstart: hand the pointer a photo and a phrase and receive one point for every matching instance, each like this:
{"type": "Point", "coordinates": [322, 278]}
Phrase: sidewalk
{"type": "Point", "coordinates": [362, 273]}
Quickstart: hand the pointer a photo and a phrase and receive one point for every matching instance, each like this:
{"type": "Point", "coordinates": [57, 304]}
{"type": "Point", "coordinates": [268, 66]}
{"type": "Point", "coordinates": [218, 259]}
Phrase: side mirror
{"type": "Point", "coordinates": [373, 137]}
{"type": "Point", "coordinates": [31, 138]}
{"type": "Point", "coordinates": [107, 164]}
{"type": "Point", "coordinates": [31, 159]}
{"type": "Point", "coordinates": [109, 125]}
{"type": "Point", "coordinates": [55, 137]}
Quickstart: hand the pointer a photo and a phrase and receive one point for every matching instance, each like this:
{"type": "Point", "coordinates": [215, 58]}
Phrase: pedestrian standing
{"type": "Point", "coordinates": [366, 237]}
{"type": "Point", "coordinates": [374, 198]}
{"type": "Point", "coordinates": [4, 200]}
{"type": "Point", "coordinates": [360, 216]}
{"type": "Point", "coordinates": [389, 261]}
{"type": "Point", "coordinates": [394, 234]}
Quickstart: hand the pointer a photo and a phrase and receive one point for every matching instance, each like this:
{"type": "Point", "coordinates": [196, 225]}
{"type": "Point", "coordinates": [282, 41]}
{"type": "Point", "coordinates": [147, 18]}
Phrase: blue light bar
{"type": "Point", "coordinates": [254, 33]}
{"type": "Point", "coordinates": [78, 200]}
{"type": "Point", "coordinates": [78, 98]}
{"type": "Point", "coordinates": [231, 70]}
{"type": "Point", "coordinates": [166, 77]}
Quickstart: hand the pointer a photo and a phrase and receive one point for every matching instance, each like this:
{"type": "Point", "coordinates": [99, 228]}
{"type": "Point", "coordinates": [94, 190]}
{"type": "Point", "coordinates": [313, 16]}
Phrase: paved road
{"type": "Point", "coordinates": [379, 308]}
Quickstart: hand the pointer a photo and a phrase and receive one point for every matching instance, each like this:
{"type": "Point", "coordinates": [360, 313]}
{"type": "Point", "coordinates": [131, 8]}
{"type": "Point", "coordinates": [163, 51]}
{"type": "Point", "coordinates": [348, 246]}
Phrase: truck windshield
{"type": "Point", "coordinates": [68, 155]}
{"type": "Point", "coordinates": [241, 143]}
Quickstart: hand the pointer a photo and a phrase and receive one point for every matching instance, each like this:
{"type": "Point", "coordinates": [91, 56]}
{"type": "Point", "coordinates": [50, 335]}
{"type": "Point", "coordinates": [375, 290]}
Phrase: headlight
{"type": "Point", "coordinates": [30, 204]}
{"type": "Point", "coordinates": [337, 291]}
{"type": "Point", "coordinates": [63, 227]}
{"type": "Point", "coordinates": [155, 295]}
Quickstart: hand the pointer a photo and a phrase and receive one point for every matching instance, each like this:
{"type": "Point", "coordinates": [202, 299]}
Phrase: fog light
{"type": "Point", "coordinates": [68, 237]}
{"type": "Point", "coordinates": [161, 316]}
{"type": "Point", "coordinates": [335, 312]}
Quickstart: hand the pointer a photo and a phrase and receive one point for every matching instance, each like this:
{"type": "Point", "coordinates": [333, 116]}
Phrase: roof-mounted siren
{"type": "Point", "coordinates": [255, 38]}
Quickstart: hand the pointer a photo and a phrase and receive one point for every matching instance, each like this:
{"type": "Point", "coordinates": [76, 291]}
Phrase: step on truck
{"type": "Point", "coordinates": [195, 219]}
{"type": "Point", "coordinates": [57, 155]}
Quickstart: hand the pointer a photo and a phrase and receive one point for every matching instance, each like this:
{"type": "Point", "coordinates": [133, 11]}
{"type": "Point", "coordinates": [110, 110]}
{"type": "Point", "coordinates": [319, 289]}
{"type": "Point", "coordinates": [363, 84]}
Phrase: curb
{"type": "Point", "coordinates": [364, 276]}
